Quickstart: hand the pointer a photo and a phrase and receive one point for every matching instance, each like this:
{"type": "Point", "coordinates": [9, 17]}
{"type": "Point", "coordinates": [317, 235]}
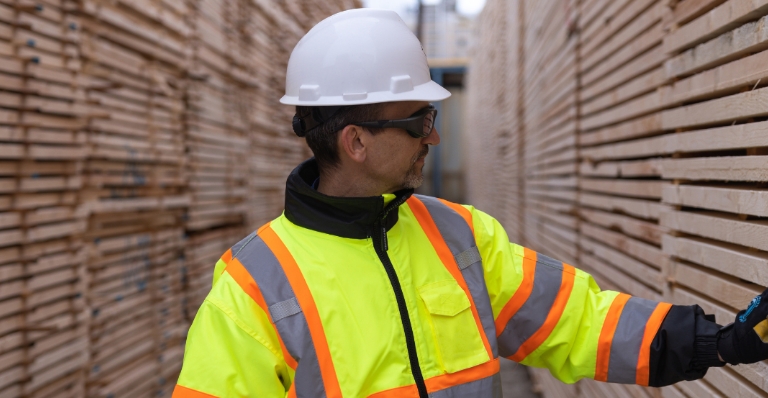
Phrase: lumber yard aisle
{"type": "Point", "coordinates": [629, 137]}
{"type": "Point", "coordinates": [130, 157]}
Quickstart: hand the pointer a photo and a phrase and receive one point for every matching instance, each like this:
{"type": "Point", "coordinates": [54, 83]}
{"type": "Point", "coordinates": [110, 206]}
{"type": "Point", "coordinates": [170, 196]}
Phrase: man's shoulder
{"type": "Point", "coordinates": [245, 242]}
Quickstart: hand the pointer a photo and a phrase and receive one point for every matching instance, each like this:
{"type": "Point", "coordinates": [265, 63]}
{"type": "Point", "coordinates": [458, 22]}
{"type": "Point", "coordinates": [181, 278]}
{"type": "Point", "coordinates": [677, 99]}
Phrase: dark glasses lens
{"type": "Point", "coordinates": [421, 123]}
{"type": "Point", "coordinates": [429, 122]}
{"type": "Point", "coordinates": [418, 125]}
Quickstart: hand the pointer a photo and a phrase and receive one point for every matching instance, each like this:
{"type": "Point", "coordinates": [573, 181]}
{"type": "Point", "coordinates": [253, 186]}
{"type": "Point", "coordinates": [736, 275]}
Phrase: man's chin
{"type": "Point", "coordinates": [414, 180]}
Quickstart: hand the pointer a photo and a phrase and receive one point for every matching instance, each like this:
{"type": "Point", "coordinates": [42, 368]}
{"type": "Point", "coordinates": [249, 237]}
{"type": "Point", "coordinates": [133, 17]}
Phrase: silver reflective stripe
{"type": "Point", "coordinates": [266, 270]}
{"type": "Point", "coordinates": [625, 347]}
{"type": "Point", "coordinates": [531, 316]}
{"type": "Point", "coordinates": [468, 257]}
{"type": "Point", "coordinates": [461, 241]}
{"type": "Point", "coordinates": [284, 309]}
{"type": "Point", "coordinates": [240, 245]}
{"type": "Point", "coordinates": [488, 387]}
{"type": "Point", "coordinates": [452, 226]}
{"type": "Point", "coordinates": [549, 261]}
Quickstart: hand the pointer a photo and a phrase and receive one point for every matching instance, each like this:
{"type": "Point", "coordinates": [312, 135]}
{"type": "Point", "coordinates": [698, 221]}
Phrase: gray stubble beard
{"type": "Point", "coordinates": [414, 178]}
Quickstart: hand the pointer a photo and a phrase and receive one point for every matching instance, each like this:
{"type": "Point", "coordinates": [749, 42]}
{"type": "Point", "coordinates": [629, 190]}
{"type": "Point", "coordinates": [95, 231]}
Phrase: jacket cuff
{"type": "Point", "coordinates": [705, 344]}
{"type": "Point", "coordinates": [705, 353]}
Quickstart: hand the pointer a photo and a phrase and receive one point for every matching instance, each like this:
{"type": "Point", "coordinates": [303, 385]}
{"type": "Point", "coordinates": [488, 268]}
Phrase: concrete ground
{"type": "Point", "coordinates": [515, 381]}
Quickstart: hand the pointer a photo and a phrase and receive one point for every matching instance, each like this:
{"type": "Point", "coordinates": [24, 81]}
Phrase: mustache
{"type": "Point", "coordinates": [422, 153]}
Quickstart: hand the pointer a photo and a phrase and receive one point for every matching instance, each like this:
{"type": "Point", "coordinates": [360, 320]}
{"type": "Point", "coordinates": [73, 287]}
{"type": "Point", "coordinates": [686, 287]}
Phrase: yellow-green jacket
{"type": "Point", "coordinates": [406, 295]}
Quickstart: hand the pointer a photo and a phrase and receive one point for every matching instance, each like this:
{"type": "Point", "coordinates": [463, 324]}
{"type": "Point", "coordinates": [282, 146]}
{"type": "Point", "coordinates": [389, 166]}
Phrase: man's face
{"type": "Point", "coordinates": [396, 158]}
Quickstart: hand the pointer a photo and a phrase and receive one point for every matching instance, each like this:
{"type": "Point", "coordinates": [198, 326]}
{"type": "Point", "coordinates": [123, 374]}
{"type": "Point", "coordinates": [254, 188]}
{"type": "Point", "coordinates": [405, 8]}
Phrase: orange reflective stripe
{"type": "Point", "coordinates": [478, 372]}
{"type": "Point", "coordinates": [307, 304]}
{"type": "Point", "coordinates": [292, 391]}
{"type": "Point", "coordinates": [606, 336]}
{"type": "Point", "coordinates": [444, 381]}
{"type": "Point", "coordinates": [651, 327]}
{"type": "Point", "coordinates": [521, 294]}
{"type": "Point", "coordinates": [433, 233]}
{"type": "Point", "coordinates": [246, 282]}
{"type": "Point", "coordinates": [184, 392]}
{"type": "Point", "coordinates": [463, 212]}
{"type": "Point", "coordinates": [261, 228]}
{"type": "Point", "coordinates": [227, 256]}
{"type": "Point", "coordinates": [533, 342]}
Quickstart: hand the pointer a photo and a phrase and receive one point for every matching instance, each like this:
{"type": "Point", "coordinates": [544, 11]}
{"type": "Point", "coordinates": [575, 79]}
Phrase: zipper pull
{"type": "Point", "coordinates": [384, 241]}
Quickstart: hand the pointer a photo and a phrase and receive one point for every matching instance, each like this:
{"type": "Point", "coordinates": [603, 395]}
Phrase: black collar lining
{"type": "Point", "coordinates": [345, 217]}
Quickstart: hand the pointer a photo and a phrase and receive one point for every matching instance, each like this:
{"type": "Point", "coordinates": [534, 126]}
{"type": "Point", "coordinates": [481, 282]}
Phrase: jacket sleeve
{"type": "Point", "coordinates": [231, 348]}
{"type": "Point", "coordinates": [684, 347]}
{"type": "Point", "coordinates": [549, 314]}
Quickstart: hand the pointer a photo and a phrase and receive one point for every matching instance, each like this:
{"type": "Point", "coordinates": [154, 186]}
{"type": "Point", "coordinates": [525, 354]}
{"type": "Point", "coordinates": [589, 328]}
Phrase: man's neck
{"type": "Point", "coordinates": [349, 185]}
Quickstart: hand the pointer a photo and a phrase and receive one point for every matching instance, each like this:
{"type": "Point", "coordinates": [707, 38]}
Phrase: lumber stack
{"type": "Point", "coordinates": [42, 329]}
{"type": "Point", "coordinates": [670, 143]}
{"type": "Point", "coordinates": [487, 104]}
{"type": "Point", "coordinates": [134, 194]}
{"type": "Point", "coordinates": [718, 168]}
{"type": "Point", "coordinates": [139, 140]}
{"type": "Point", "coordinates": [549, 151]}
{"type": "Point", "coordinates": [220, 80]}
{"type": "Point", "coordinates": [620, 72]}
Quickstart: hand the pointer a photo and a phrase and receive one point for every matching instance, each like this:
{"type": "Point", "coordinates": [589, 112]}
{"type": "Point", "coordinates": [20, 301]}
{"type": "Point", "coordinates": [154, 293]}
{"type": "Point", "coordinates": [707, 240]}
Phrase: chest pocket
{"type": "Point", "coordinates": [453, 326]}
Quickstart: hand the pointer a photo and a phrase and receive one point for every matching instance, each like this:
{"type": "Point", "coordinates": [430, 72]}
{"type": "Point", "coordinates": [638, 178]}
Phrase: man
{"type": "Point", "coordinates": [362, 289]}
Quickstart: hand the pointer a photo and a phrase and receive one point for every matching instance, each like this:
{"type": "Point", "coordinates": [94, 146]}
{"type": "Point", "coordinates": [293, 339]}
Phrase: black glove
{"type": "Point", "coordinates": [746, 339]}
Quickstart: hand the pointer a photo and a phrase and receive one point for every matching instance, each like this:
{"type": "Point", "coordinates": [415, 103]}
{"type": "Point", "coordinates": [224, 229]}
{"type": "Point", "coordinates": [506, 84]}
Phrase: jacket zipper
{"type": "Point", "coordinates": [381, 246]}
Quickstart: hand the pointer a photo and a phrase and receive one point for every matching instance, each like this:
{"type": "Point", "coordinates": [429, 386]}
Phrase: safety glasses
{"type": "Point", "coordinates": [418, 125]}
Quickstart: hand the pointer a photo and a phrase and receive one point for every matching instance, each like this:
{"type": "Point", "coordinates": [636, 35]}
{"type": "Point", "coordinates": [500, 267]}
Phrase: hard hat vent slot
{"type": "Point", "coordinates": [355, 96]}
{"type": "Point", "coordinates": [400, 84]}
{"type": "Point", "coordinates": [309, 92]}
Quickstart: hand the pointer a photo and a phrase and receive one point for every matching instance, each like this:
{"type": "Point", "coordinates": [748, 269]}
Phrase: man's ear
{"type": "Point", "coordinates": [352, 143]}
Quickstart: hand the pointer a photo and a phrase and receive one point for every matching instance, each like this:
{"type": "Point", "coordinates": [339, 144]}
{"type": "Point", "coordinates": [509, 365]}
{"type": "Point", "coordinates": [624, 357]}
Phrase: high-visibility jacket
{"type": "Point", "coordinates": [407, 295]}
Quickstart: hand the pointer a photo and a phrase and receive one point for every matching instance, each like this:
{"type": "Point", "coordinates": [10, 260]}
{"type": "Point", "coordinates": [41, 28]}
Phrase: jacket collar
{"type": "Point", "coordinates": [346, 217]}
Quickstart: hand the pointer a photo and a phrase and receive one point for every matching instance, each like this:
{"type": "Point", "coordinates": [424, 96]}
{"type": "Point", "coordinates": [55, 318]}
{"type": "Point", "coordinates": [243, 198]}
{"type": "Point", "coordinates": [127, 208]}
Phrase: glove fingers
{"type": "Point", "coordinates": [762, 330]}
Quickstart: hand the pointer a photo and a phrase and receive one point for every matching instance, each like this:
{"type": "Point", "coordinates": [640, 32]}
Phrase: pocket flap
{"type": "Point", "coordinates": [445, 298]}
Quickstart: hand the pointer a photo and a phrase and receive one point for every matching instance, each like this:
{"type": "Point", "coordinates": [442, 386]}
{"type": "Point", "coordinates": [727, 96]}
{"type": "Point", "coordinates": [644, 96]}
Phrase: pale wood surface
{"type": "Point", "coordinates": [667, 137]}
{"type": "Point", "coordinates": [720, 19]}
{"type": "Point", "coordinates": [750, 37]}
{"type": "Point", "coordinates": [732, 200]}
{"type": "Point", "coordinates": [736, 168]}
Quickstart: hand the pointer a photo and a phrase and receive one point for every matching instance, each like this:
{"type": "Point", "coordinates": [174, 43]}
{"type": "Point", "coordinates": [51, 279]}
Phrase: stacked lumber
{"type": "Point", "coordinates": [42, 334]}
{"type": "Point", "coordinates": [513, 146]}
{"type": "Point", "coordinates": [488, 110]}
{"type": "Point", "coordinates": [670, 143]}
{"type": "Point", "coordinates": [621, 83]}
{"type": "Point", "coordinates": [216, 138]}
{"type": "Point", "coordinates": [718, 169]}
{"type": "Point", "coordinates": [621, 71]}
{"type": "Point", "coordinates": [134, 198]}
{"type": "Point", "coordinates": [549, 152]}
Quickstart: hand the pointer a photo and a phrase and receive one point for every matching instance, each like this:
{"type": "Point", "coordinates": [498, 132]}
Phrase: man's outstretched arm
{"type": "Point", "coordinates": [549, 314]}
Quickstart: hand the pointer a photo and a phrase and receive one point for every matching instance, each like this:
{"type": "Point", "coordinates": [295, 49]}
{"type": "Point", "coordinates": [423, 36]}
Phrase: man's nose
{"type": "Point", "coordinates": [432, 139]}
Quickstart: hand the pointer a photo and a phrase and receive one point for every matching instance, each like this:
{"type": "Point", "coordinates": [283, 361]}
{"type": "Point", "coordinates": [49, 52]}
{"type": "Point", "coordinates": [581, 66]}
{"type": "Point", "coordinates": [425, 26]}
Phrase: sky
{"type": "Point", "coordinates": [467, 7]}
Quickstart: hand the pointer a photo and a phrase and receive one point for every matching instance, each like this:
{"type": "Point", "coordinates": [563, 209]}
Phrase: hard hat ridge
{"type": "Point", "coordinates": [356, 57]}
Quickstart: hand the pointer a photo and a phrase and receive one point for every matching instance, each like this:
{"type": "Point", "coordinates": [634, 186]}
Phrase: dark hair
{"type": "Point", "coordinates": [322, 140]}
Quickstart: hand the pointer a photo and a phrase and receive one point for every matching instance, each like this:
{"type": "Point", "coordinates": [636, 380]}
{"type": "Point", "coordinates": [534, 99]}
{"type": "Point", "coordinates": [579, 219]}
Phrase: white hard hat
{"type": "Point", "coordinates": [360, 56]}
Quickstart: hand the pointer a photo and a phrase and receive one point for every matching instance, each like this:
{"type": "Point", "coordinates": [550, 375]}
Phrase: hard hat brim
{"type": "Point", "coordinates": [430, 92]}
